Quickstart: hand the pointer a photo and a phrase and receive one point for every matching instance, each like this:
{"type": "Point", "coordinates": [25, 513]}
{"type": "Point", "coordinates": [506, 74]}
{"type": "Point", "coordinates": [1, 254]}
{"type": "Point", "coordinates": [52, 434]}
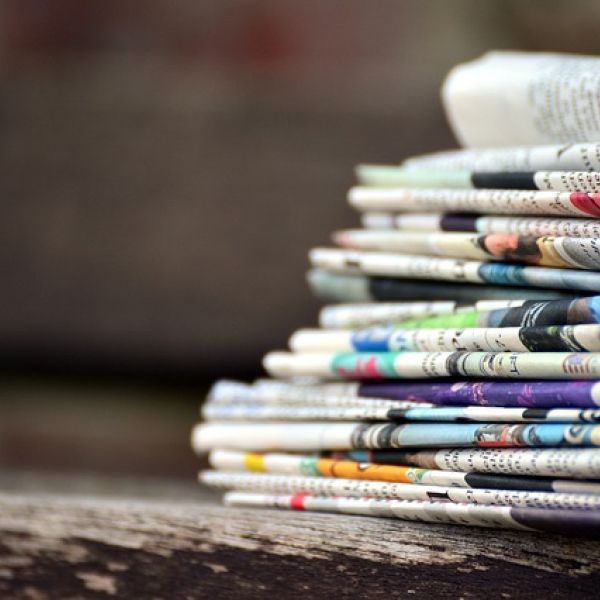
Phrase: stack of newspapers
{"type": "Point", "coordinates": [455, 375]}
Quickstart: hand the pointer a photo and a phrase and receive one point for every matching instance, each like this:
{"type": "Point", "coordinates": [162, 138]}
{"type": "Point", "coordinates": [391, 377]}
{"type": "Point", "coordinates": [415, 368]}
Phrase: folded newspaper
{"type": "Point", "coordinates": [454, 374]}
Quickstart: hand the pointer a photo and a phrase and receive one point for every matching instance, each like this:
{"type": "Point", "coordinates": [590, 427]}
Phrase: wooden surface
{"type": "Point", "coordinates": [90, 537]}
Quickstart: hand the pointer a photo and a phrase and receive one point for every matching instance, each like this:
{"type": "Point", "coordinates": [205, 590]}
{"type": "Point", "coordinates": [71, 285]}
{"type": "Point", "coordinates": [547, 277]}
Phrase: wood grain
{"type": "Point", "coordinates": [57, 545]}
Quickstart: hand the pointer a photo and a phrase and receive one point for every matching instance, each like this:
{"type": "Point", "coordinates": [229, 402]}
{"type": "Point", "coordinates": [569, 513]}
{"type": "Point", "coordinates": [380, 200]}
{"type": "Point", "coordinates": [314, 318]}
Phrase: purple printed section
{"type": "Point", "coordinates": [458, 222]}
{"type": "Point", "coordinates": [540, 394]}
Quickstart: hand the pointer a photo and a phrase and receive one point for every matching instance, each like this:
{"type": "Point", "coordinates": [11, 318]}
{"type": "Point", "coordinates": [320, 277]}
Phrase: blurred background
{"type": "Point", "coordinates": [164, 168]}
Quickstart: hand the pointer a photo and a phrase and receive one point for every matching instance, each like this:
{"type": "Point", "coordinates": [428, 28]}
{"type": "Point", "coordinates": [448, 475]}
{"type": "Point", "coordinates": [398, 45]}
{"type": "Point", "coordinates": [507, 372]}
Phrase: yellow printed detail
{"type": "Point", "coordinates": [254, 462]}
{"type": "Point", "coordinates": [549, 257]}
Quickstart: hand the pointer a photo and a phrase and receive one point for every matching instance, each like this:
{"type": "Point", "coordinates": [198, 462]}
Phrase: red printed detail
{"type": "Point", "coordinates": [587, 203]}
{"type": "Point", "coordinates": [363, 367]}
{"type": "Point", "coordinates": [491, 444]}
{"type": "Point", "coordinates": [297, 501]}
{"type": "Point", "coordinates": [504, 440]}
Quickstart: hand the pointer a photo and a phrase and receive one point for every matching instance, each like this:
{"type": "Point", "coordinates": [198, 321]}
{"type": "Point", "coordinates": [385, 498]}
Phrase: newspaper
{"type": "Point", "coordinates": [260, 412]}
{"type": "Point", "coordinates": [354, 287]}
{"type": "Point", "coordinates": [392, 338]}
{"type": "Point", "coordinates": [512, 98]}
{"type": "Point", "coordinates": [452, 269]}
{"type": "Point", "coordinates": [411, 365]}
{"type": "Point", "coordinates": [410, 177]}
{"type": "Point", "coordinates": [388, 395]}
{"type": "Point", "coordinates": [552, 157]}
{"type": "Point", "coordinates": [356, 488]}
{"type": "Point", "coordinates": [526, 226]}
{"type": "Point", "coordinates": [577, 463]}
{"type": "Point", "coordinates": [309, 437]}
{"type": "Point", "coordinates": [566, 521]}
{"type": "Point", "coordinates": [486, 313]}
{"type": "Point", "coordinates": [511, 202]}
{"type": "Point", "coordinates": [548, 251]}
{"type": "Point", "coordinates": [348, 316]}
{"type": "Point", "coordinates": [320, 466]}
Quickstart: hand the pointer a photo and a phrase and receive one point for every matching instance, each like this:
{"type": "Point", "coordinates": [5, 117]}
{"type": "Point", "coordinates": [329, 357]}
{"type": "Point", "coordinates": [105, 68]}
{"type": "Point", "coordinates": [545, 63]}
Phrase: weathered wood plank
{"type": "Point", "coordinates": [74, 545]}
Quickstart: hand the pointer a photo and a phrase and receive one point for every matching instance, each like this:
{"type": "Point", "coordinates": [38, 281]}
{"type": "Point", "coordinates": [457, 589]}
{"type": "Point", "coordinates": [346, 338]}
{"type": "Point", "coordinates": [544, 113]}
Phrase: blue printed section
{"type": "Point", "coordinates": [436, 435]}
{"type": "Point", "coordinates": [539, 276]}
{"type": "Point", "coordinates": [373, 339]}
{"type": "Point", "coordinates": [359, 455]}
{"type": "Point", "coordinates": [494, 317]}
{"type": "Point", "coordinates": [543, 435]}
{"type": "Point", "coordinates": [502, 274]}
{"type": "Point", "coordinates": [594, 306]}
{"type": "Point", "coordinates": [495, 435]}
{"type": "Point", "coordinates": [438, 414]}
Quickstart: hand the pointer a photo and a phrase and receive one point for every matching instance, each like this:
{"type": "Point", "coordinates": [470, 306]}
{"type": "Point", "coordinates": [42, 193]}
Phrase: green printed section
{"type": "Point", "coordinates": [309, 466]}
{"type": "Point", "coordinates": [416, 475]}
{"type": "Point", "coordinates": [390, 176]}
{"type": "Point", "coordinates": [364, 364]}
{"type": "Point", "coordinates": [458, 321]}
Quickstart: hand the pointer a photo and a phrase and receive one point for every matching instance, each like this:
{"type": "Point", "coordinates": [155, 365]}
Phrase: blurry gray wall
{"type": "Point", "coordinates": [165, 166]}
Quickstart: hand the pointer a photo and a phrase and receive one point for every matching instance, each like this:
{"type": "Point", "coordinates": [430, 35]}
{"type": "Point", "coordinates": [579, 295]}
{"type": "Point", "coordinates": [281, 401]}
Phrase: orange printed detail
{"type": "Point", "coordinates": [354, 470]}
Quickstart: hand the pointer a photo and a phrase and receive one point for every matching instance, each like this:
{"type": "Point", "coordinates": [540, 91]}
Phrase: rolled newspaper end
{"type": "Point", "coordinates": [356, 488]}
{"type": "Point", "coordinates": [273, 462]}
{"type": "Point", "coordinates": [356, 287]}
{"type": "Point", "coordinates": [394, 176]}
{"type": "Point", "coordinates": [339, 289]}
{"type": "Point", "coordinates": [571, 521]}
{"type": "Point", "coordinates": [512, 202]}
{"type": "Point", "coordinates": [284, 364]}
{"type": "Point", "coordinates": [261, 413]}
{"type": "Point", "coordinates": [411, 177]}
{"type": "Point", "coordinates": [348, 316]}
{"type": "Point", "coordinates": [273, 436]}
{"type": "Point", "coordinates": [548, 251]}
{"type": "Point", "coordinates": [229, 391]}
{"type": "Point", "coordinates": [334, 340]}
{"type": "Point", "coordinates": [489, 313]}
{"type": "Point", "coordinates": [406, 266]}
{"type": "Point", "coordinates": [398, 394]}
{"type": "Point", "coordinates": [322, 436]}
{"type": "Point", "coordinates": [456, 245]}
{"type": "Point", "coordinates": [524, 225]}
{"type": "Point", "coordinates": [313, 465]}
{"type": "Point", "coordinates": [396, 338]}
{"type": "Point", "coordinates": [415, 365]}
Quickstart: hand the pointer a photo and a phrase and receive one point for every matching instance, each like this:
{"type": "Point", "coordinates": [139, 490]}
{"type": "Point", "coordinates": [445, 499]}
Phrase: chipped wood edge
{"type": "Point", "coordinates": [101, 543]}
